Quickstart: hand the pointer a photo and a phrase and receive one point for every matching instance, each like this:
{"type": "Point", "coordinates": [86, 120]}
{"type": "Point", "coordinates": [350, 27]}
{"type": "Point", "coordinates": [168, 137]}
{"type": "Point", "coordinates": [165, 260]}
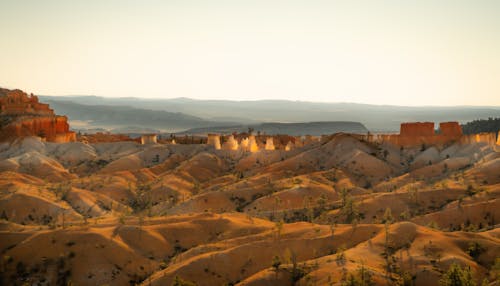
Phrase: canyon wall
{"type": "Point", "coordinates": [450, 129]}
{"type": "Point", "coordinates": [23, 115]}
{"type": "Point", "coordinates": [416, 129]}
{"type": "Point", "coordinates": [419, 134]}
{"type": "Point", "coordinates": [484, 137]}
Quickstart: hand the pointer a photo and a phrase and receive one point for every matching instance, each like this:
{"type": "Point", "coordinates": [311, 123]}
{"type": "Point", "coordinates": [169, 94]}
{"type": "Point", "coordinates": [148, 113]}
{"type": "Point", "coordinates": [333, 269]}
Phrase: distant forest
{"type": "Point", "coordinates": [481, 125]}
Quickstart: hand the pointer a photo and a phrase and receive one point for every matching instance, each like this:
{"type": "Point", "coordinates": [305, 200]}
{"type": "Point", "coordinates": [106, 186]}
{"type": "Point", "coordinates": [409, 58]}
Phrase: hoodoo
{"type": "Point", "coordinates": [214, 140]}
{"type": "Point", "coordinates": [230, 144]}
{"type": "Point", "coordinates": [269, 143]}
{"type": "Point", "coordinates": [149, 139]}
{"type": "Point", "coordinates": [22, 115]}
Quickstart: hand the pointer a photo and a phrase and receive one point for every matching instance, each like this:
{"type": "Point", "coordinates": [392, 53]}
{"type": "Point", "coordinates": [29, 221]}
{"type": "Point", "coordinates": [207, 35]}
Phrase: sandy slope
{"type": "Point", "coordinates": [124, 213]}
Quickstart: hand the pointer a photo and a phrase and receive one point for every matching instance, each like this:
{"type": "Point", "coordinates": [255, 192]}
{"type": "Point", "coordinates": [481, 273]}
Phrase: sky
{"type": "Point", "coordinates": [412, 52]}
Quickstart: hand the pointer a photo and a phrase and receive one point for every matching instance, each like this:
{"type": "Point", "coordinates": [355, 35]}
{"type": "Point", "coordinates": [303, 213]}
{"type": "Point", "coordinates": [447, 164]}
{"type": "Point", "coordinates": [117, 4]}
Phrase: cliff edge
{"type": "Point", "coordinates": [23, 115]}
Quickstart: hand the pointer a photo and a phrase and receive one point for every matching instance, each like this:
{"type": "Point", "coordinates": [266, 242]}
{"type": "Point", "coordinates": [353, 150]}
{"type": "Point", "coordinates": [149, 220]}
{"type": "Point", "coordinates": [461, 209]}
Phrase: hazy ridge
{"type": "Point", "coordinates": [204, 113]}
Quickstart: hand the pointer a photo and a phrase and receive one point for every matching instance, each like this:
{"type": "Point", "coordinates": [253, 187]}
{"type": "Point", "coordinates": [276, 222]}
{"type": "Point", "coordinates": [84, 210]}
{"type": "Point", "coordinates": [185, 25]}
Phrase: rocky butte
{"type": "Point", "coordinates": [414, 134]}
{"type": "Point", "coordinates": [22, 115]}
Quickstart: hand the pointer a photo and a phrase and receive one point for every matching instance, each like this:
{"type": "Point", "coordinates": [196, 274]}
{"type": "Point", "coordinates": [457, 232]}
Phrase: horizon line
{"type": "Point", "coordinates": [256, 100]}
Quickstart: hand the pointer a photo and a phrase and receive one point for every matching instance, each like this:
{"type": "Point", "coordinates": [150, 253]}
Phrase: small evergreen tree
{"type": "Point", "coordinates": [456, 276]}
{"type": "Point", "coordinates": [276, 263]}
{"type": "Point", "coordinates": [362, 277]}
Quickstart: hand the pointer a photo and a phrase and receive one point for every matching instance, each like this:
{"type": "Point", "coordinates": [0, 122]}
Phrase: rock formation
{"type": "Point", "coordinates": [450, 129]}
{"type": "Point", "coordinates": [214, 140]}
{"type": "Point", "coordinates": [414, 129]}
{"type": "Point", "coordinates": [230, 144]}
{"type": "Point", "coordinates": [149, 139]}
{"type": "Point", "coordinates": [422, 133]}
{"type": "Point", "coordinates": [298, 142]}
{"type": "Point", "coordinates": [22, 115]}
{"type": "Point", "coordinates": [412, 134]}
{"type": "Point", "coordinates": [484, 137]}
{"type": "Point", "coordinates": [244, 144]}
{"type": "Point", "coordinates": [269, 143]}
{"type": "Point", "coordinates": [252, 144]}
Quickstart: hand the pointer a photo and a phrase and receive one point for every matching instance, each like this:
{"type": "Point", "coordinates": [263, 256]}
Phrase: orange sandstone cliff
{"type": "Point", "coordinates": [414, 134]}
{"type": "Point", "coordinates": [415, 129]}
{"type": "Point", "coordinates": [23, 115]}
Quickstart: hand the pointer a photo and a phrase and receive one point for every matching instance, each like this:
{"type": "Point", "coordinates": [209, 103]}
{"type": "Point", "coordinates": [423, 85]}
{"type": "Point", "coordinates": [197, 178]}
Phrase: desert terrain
{"type": "Point", "coordinates": [249, 143]}
{"type": "Point", "coordinates": [125, 213]}
{"type": "Point", "coordinates": [415, 208]}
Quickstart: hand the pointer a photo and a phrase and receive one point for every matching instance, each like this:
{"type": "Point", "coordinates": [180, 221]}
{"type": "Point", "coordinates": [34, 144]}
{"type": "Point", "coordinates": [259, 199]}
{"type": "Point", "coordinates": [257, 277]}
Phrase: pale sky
{"type": "Point", "coordinates": [401, 52]}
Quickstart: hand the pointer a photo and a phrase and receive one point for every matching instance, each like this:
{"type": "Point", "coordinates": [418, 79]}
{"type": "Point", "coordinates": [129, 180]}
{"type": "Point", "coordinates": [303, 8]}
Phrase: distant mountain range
{"type": "Point", "coordinates": [184, 113]}
{"type": "Point", "coordinates": [126, 119]}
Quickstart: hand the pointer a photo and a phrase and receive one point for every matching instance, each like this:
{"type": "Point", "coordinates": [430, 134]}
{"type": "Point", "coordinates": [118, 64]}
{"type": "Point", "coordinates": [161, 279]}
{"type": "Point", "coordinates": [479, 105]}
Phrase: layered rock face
{"type": "Point", "coordinates": [22, 115]}
{"type": "Point", "coordinates": [422, 133]}
{"type": "Point", "coordinates": [450, 129]}
{"type": "Point", "coordinates": [414, 129]}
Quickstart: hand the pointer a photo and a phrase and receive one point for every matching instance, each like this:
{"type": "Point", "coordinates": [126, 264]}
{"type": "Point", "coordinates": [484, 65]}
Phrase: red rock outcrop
{"type": "Point", "coordinates": [422, 133]}
{"type": "Point", "coordinates": [450, 129]}
{"type": "Point", "coordinates": [415, 129]}
{"type": "Point", "coordinates": [23, 115]}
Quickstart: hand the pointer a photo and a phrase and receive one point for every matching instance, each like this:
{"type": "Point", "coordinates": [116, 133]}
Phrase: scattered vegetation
{"type": "Point", "coordinates": [456, 276]}
{"type": "Point", "coordinates": [361, 277]}
{"type": "Point", "coordinates": [181, 282]}
{"type": "Point", "coordinates": [481, 125]}
{"type": "Point", "coordinates": [475, 249]}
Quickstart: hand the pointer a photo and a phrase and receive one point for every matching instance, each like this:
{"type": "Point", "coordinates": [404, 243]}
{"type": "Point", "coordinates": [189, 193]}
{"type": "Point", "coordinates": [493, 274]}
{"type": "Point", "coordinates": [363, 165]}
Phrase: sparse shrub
{"type": "Point", "coordinates": [387, 218]}
{"type": "Point", "coordinates": [181, 282]}
{"type": "Point", "coordinates": [340, 257]}
{"type": "Point", "coordinates": [4, 216]}
{"type": "Point", "coordinates": [470, 190]}
{"type": "Point", "coordinates": [276, 263]}
{"type": "Point", "coordinates": [349, 210]}
{"type": "Point", "coordinates": [321, 202]}
{"type": "Point", "coordinates": [423, 147]}
{"type": "Point", "coordinates": [362, 277]}
{"type": "Point", "coordinates": [433, 224]}
{"type": "Point", "coordinates": [475, 249]}
{"type": "Point", "coordinates": [456, 276]}
{"type": "Point", "coordinates": [279, 227]}
{"type": "Point", "coordinates": [404, 216]}
{"type": "Point", "coordinates": [495, 270]}
{"type": "Point", "coordinates": [71, 254]}
{"type": "Point", "coordinates": [296, 272]}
